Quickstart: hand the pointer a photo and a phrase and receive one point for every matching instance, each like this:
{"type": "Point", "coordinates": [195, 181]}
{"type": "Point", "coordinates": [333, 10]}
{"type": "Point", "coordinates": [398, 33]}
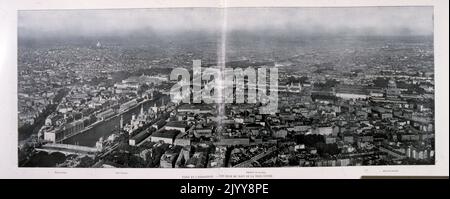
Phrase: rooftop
{"type": "Point", "coordinates": [166, 133]}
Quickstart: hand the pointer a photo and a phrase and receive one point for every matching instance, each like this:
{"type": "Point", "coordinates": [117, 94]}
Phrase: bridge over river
{"type": "Point", "coordinates": [68, 149]}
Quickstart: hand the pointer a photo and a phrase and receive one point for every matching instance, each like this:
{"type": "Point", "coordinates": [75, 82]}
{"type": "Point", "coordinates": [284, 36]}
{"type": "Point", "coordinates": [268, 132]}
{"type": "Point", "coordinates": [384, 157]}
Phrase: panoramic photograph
{"type": "Point", "coordinates": [226, 87]}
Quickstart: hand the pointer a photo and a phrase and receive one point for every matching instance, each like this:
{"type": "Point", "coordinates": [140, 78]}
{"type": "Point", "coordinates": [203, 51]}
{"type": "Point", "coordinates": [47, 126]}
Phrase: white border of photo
{"type": "Point", "coordinates": [8, 101]}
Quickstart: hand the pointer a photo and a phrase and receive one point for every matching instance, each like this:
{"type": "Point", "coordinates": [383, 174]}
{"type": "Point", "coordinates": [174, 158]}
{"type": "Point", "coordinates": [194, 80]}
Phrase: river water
{"type": "Point", "coordinates": [106, 128]}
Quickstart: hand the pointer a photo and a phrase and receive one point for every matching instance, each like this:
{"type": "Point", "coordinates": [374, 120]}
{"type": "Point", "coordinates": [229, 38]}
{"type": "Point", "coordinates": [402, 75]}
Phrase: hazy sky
{"type": "Point", "coordinates": [359, 20]}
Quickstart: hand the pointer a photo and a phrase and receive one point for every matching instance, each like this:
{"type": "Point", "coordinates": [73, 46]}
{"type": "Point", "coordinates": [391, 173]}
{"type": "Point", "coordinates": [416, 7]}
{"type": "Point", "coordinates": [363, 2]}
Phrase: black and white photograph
{"type": "Point", "coordinates": [234, 87]}
{"type": "Point", "coordinates": [216, 91]}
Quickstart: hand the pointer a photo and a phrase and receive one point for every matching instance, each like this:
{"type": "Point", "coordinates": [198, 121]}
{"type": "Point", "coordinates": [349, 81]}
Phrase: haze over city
{"type": "Point", "coordinates": [298, 21]}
